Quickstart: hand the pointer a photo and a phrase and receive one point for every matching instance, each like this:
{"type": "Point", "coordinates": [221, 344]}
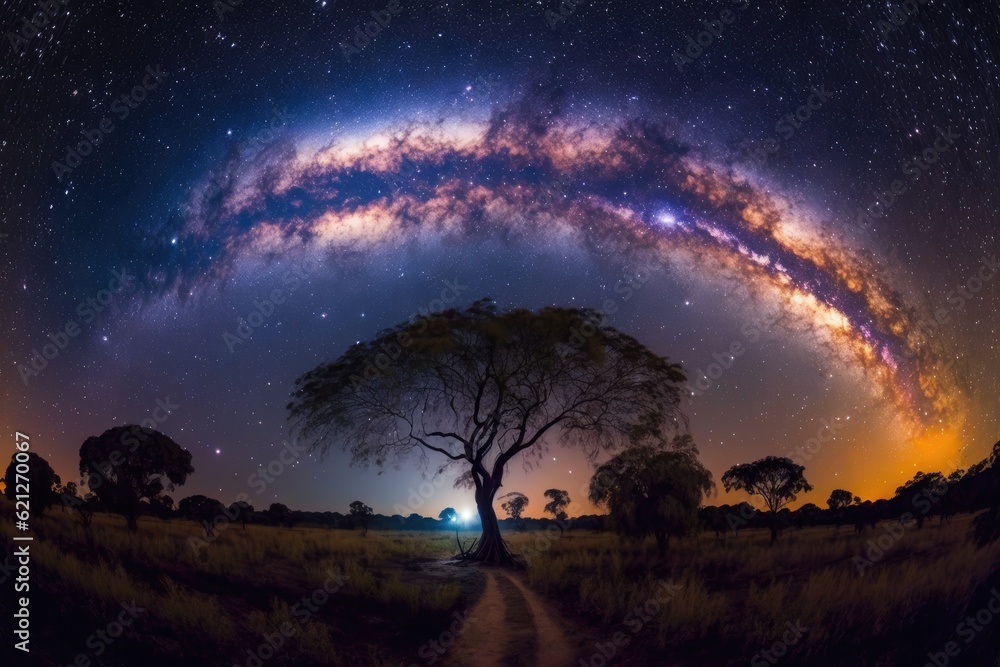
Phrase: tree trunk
{"type": "Point", "coordinates": [491, 548]}
{"type": "Point", "coordinates": [774, 531]}
{"type": "Point", "coordinates": [132, 521]}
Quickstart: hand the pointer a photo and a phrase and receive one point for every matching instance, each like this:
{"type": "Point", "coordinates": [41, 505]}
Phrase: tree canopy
{"type": "Point", "coordinates": [475, 388]}
{"type": "Point", "coordinates": [649, 491]}
{"type": "Point", "coordinates": [839, 499]}
{"type": "Point", "coordinates": [777, 480]}
{"type": "Point", "coordinates": [128, 464]}
{"type": "Point", "coordinates": [202, 509]}
{"type": "Point", "coordinates": [361, 513]}
{"type": "Point", "coordinates": [514, 505]}
{"type": "Point", "coordinates": [558, 502]}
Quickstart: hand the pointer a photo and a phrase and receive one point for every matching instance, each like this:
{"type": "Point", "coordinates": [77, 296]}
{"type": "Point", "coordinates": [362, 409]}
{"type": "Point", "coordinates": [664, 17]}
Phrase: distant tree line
{"type": "Point", "coordinates": [647, 490]}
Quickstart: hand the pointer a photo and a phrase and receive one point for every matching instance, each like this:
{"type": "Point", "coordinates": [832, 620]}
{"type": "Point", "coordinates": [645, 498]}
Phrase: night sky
{"type": "Point", "coordinates": [709, 199]}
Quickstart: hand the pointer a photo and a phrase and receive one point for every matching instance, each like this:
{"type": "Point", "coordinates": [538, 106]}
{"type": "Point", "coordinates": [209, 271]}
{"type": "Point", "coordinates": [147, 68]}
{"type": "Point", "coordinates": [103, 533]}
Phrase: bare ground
{"type": "Point", "coordinates": [510, 626]}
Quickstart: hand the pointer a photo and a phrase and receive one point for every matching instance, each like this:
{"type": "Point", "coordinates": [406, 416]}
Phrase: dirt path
{"type": "Point", "coordinates": [511, 626]}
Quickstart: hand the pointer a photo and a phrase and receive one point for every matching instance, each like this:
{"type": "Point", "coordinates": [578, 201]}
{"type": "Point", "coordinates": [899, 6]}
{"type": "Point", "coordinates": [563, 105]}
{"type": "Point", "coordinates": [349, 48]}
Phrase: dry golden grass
{"type": "Point", "coordinates": [743, 591]}
{"type": "Point", "coordinates": [200, 595]}
{"type": "Point", "coordinates": [734, 594]}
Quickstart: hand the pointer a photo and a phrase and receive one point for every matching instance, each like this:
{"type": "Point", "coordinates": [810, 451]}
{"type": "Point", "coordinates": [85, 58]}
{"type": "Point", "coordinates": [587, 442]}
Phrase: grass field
{"type": "Point", "coordinates": [735, 596]}
{"type": "Point", "coordinates": [708, 601]}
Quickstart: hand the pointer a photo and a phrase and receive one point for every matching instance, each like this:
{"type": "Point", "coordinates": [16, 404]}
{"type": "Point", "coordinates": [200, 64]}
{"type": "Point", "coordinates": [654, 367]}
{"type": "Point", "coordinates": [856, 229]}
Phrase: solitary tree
{"type": "Point", "coordinates": [514, 506]}
{"type": "Point", "coordinates": [775, 479]}
{"type": "Point", "coordinates": [649, 491]}
{"type": "Point", "coordinates": [128, 464]}
{"type": "Point", "coordinates": [37, 480]}
{"type": "Point", "coordinates": [478, 388]}
{"type": "Point", "coordinates": [839, 499]}
{"type": "Point", "coordinates": [558, 502]}
{"type": "Point", "coordinates": [361, 513]}
{"type": "Point", "coordinates": [243, 510]}
{"type": "Point", "coordinates": [203, 510]}
{"type": "Point", "coordinates": [280, 514]}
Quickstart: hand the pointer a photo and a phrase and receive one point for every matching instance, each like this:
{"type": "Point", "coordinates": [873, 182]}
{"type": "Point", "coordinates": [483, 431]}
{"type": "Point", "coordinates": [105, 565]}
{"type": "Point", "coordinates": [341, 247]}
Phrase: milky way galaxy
{"type": "Point", "coordinates": [488, 150]}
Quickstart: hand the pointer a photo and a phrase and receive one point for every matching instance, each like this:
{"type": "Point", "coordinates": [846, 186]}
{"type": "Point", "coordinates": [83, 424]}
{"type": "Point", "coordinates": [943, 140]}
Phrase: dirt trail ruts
{"type": "Point", "coordinates": [511, 626]}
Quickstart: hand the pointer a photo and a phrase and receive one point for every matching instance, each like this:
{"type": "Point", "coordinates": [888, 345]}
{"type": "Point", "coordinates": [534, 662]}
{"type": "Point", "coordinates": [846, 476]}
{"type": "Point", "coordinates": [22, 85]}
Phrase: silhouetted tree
{"type": "Point", "coordinates": [203, 510]}
{"type": "Point", "coordinates": [479, 388]}
{"type": "Point", "coordinates": [987, 484]}
{"type": "Point", "coordinates": [128, 464]}
{"type": "Point", "coordinates": [448, 515]}
{"type": "Point", "coordinates": [713, 518]}
{"type": "Point", "coordinates": [280, 514]}
{"type": "Point", "coordinates": [361, 514]}
{"type": "Point", "coordinates": [558, 502]}
{"type": "Point", "coordinates": [839, 499]}
{"type": "Point", "coordinates": [922, 493]}
{"type": "Point", "coordinates": [738, 516]}
{"type": "Point", "coordinates": [243, 510]}
{"type": "Point", "coordinates": [514, 506]}
{"type": "Point", "coordinates": [863, 515]}
{"type": "Point", "coordinates": [650, 491]}
{"type": "Point", "coordinates": [37, 478]}
{"type": "Point", "coordinates": [807, 515]}
{"type": "Point", "coordinates": [85, 507]}
{"type": "Point", "coordinates": [777, 480]}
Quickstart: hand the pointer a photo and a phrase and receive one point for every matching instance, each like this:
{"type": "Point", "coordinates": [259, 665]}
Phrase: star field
{"type": "Point", "coordinates": [490, 149]}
